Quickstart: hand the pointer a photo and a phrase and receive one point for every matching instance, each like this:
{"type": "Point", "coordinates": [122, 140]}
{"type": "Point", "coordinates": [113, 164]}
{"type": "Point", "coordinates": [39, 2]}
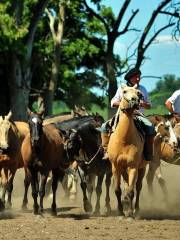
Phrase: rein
{"type": "Point", "coordinates": [87, 158]}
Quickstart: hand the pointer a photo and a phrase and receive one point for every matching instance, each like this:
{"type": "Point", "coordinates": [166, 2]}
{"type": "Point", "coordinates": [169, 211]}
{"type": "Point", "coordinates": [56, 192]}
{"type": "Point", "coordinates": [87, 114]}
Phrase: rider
{"type": "Point", "coordinates": [132, 78]}
{"type": "Point", "coordinates": [173, 103]}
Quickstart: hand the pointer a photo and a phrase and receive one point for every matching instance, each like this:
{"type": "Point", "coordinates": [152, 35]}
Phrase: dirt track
{"type": "Point", "coordinates": [159, 220]}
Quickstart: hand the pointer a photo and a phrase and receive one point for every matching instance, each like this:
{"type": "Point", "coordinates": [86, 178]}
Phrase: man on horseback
{"type": "Point", "coordinates": [132, 78]}
{"type": "Point", "coordinates": [173, 103]}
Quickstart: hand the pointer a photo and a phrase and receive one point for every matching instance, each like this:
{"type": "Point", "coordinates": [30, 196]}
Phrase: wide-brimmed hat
{"type": "Point", "coordinates": [131, 73]}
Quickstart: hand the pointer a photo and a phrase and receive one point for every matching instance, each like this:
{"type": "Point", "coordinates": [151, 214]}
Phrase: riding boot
{"type": "Point", "coordinates": [148, 147]}
{"type": "Point", "coordinates": [105, 141]}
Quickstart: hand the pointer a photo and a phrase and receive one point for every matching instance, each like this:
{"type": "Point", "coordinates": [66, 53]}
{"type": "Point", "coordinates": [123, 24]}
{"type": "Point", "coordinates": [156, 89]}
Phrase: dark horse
{"type": "Point", "coordinates": [88, 139]}
{"type": "Point", "coordinates": [43, 151]}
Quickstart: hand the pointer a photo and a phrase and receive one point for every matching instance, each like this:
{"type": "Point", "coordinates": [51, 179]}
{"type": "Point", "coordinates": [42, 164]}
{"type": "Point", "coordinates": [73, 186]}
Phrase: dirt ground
{"type": "Point", "coordinates": [159, 219]}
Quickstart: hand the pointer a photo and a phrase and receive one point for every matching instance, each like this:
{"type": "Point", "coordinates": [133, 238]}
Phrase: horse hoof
{"type": "Point", "coordinates": [108, 211]}
{"type": "Point", "coordinates": [96, 213]}
{"type": "Point", "coordinates": [8, 205]}
{"type": "Point", "coordinates": [130, 219]}
{"type": "Point", "coordinates": [87, 207]}
{"type": "Point", "coordinates": [54, 213]}
{"type": "Point", "coordinates": [121, 218]}
{"type": "Point", "coordinates": [2, 206]}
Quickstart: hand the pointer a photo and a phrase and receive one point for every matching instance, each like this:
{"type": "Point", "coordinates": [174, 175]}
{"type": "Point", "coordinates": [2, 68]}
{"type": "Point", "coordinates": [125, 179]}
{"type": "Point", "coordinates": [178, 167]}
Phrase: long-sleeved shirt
{"type": "Point", "coordinates": [175, 100]}
{"type": "Point", "coordinates": [117, 97]}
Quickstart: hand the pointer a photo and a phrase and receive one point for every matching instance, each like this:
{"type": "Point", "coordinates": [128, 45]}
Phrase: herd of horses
{"type": "Point", "coordinates": [71, 143]}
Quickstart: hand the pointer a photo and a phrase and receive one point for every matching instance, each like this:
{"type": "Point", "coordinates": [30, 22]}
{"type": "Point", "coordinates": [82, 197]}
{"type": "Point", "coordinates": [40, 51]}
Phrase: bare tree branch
{"type": "Point", "coordinates": [175, 14]}
{"type": "Point", "coordinates": [128, 24]}
{"type": "Point", "coordinates": [156, 34]}
{"type": "Point", "coordinates": [120, 15]}
{"type": "Point", "coordinates": [51, 22]}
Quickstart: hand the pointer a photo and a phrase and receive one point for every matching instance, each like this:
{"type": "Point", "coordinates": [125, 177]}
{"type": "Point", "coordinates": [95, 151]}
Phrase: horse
{"type": "Point", "coordinates": [77, 112]}
{"type": "Point", "coordinates": [166, 148]}
{"type": "Point", "coordinates": [91, 165]}
{"type": "Point", "coordinates": [90, 160]}
{"type": "Point", "coordinates": [125, 152]}
{"type": "Point", "coordinates": [66, 125]}
{"type": "Point", "coordinates": [12, 135]}
{"type": "Point", "coordinates": [43, 151]}
{"type": "Point", "coordinates": [157, 118]}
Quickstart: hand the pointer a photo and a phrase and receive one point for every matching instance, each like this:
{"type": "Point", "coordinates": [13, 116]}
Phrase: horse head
{"type": "Point", "coordinates": [131, 97]}
{"type": "Point", "coordinates": [72, 143]}
{"type": "Point", "coordinates": [5, 125]}
{"type": "Point", "coordinates": [35, 121]}
{"type": "Point", "coordinates": [165, 131]}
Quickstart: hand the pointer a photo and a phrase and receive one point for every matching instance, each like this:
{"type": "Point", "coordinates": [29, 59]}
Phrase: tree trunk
{"type": "Point", "coordinates": [57, 38]}
{"type": "Point", "coordinates": [19, 91]}
{"type": "Point", "coordinates": [110, 74]}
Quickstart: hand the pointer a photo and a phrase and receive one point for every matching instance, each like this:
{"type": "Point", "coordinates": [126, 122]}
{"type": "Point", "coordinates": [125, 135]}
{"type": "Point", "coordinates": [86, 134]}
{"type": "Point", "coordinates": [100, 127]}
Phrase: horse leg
{"type": "Point", "coordinates": [141, 173]}
{"type": "Point", "coordinates": [98, 194]}
{"type": "Point", "coordinates": [73, 189]}
{"type": "Point", "coordinates": [42, 189]}
{"type": "Point", "coordinates": [4, 177]}
{"type": "Point", "coordinates": [107, 199]}
{"type": "Point", "coordinates": [48, 186]}
{"type": "Point", "coordinates": [162, 184]}
{"type": "Point", "coordinates": [35, 189]}
{"type": "Point", "coordinates": [90, 180]}
{"type": "Point", "coordinates": [27, 181]}
{"type": "Point", "coordinates": [10, 187]}
{"type": "Point", "coordinates": [117, 185]}
{"type": "Point", "coordinates": [153, 166]}
{"type": "Point", "coordinates": [129, 195]}
{"type": "Point", "coordinates": [55, 177]}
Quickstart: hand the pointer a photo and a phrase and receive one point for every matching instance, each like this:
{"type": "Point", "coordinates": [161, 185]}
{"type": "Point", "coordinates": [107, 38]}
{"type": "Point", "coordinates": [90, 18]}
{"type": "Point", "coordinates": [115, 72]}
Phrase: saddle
{"type": "Point", "coordinates": [112, 124]}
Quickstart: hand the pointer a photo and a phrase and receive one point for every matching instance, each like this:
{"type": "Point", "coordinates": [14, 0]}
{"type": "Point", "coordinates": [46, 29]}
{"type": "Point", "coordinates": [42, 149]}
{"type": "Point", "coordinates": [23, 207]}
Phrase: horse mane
{"type": "Point", "coordinates": [57, 115]}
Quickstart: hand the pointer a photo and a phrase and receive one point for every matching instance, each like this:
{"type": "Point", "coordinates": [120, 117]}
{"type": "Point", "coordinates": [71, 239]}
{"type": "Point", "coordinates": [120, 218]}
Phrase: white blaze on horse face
{"type": "Point", "coordinates": [34, 120]}
{"type": "Point", "coordinates": [4, 130]}
{"type": "Point", "coordinates": [173, 139]}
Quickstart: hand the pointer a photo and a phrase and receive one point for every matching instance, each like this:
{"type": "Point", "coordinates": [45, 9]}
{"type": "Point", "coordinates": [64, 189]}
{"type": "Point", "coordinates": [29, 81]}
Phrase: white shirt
{"type": "Point", "coordinates": [175, 100]}
{"type": "Point", "coordinates": [118, 96]}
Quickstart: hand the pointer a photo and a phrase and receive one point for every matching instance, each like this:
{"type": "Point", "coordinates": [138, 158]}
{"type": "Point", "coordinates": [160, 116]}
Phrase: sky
{"type": "Point", "coordinates": [163, 57]}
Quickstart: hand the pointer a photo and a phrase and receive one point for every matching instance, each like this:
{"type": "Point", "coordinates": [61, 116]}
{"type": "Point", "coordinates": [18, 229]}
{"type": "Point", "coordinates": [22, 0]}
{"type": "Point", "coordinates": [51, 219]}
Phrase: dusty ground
{"type": "Point", "coordinates": [159, 220]}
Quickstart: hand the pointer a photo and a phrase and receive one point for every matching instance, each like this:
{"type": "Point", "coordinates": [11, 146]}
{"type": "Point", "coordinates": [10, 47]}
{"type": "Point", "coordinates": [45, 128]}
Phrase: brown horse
{"type": "Point", "coordinates": [76, 112]}
{"type": "Point", "coordinates": [43, 151]}
{"type": "Point", "coordinates": [125, 151]}
{"type": "Point", "coordinates": [165, 148]}
{"type": "Point", "coordinates": [12, 135]}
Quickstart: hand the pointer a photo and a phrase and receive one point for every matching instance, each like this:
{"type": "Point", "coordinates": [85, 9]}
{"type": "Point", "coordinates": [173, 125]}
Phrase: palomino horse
{"type": "Point", "coordinates": [125, 151]}
{"type": "Point", "coordinates": [43, 151]}
{"type": "Point", "coordinates": [12, 135]}
{"type": "Point", "coordinates": [166, 148]}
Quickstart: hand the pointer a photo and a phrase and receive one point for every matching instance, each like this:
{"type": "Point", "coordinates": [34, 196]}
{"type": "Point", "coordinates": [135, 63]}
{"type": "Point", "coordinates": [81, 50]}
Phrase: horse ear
{"type": "Point", "coordinates": [9, 115]}
{"type": "Point", "coordinates": [41, 113]}
{"type": "Point", "coordinates": [29, 112]}
{"type": "Point", "coordinates": [76, 108]}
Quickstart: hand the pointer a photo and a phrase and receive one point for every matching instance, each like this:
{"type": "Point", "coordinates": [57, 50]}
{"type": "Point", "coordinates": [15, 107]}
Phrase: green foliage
{"type": "Point", "coordinates": [163, 90]}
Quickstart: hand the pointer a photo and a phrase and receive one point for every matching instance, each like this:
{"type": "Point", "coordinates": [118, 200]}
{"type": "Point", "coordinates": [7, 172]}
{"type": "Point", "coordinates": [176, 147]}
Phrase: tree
{"type": "Point", "coordinates": [19, 20]}
{"type": "Point", "coordinates": [112, 26]}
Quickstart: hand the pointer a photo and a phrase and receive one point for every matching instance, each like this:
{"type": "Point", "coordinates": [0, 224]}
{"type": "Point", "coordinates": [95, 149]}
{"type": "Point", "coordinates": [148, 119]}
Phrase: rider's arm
{"type": "Point", "coordinates": [168, 105]}
{"type": "Point", "coordinates": [117, 98]}
{"type": "Point", "coordinates": [145, 104]}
